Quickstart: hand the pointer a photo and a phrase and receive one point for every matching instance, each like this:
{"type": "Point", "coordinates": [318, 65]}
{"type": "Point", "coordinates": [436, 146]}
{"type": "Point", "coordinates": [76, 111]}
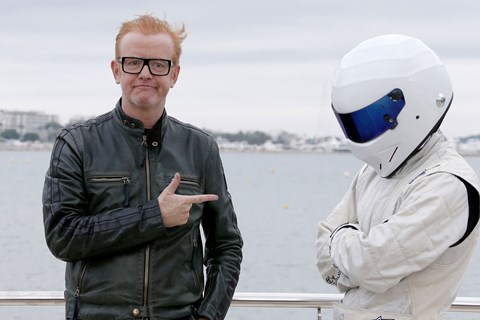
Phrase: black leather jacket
{"type": "Point", "coordinates": [102, 217]}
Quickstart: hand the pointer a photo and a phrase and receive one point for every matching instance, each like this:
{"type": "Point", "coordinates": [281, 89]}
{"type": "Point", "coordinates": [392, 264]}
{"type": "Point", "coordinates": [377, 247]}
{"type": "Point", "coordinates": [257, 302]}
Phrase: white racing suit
{"type": "Point", "coordinates": [398, 247]}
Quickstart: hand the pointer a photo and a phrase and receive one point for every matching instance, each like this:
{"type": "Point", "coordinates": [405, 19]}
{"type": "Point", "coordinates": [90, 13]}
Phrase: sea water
{"type": "Point", "coordinates": [279, 199]}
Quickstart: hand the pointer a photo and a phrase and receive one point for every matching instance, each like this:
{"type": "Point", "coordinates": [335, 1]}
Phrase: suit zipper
{"type": "Point", "coordinates": [146, 266]}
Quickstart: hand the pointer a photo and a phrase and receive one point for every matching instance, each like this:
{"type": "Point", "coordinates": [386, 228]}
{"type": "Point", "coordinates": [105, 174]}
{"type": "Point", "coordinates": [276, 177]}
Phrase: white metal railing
{"type": "Point", "coordinates": [317, 301]}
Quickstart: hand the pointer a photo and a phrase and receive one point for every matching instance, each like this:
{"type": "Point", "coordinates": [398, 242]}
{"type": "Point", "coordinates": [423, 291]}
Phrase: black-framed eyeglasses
{"type": "Point", "coordinates": [134, 65]}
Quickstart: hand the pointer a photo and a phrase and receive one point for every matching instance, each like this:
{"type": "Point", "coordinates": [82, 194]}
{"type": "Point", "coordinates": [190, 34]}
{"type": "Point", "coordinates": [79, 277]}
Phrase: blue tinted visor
{"type": "Point", "coordinates": [373, 120]}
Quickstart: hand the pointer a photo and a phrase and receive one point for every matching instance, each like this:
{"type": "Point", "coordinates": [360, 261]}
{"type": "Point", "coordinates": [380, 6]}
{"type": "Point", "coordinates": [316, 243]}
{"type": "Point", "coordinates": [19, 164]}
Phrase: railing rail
{"type": "Point", "coordinates": [318, 301]}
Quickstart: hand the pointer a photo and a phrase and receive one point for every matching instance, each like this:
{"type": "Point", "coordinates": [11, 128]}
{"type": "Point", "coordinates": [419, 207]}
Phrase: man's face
{"type": "Point", "coordinates": [145, 92]}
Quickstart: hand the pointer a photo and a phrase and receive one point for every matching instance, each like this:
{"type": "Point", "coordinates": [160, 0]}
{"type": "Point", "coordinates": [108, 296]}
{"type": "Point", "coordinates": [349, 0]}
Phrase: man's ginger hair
{"type": "Point", "coordinates": [148, 25]}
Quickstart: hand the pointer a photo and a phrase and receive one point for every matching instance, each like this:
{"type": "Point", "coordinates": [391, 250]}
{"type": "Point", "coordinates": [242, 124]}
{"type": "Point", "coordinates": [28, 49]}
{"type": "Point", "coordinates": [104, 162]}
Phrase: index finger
{"type": "Point", "coordinates": [200, 198]}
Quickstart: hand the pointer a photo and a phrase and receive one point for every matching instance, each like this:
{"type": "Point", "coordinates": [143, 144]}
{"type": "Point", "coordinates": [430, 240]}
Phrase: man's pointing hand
{"type": "Point", "coordinates": [175, 208]}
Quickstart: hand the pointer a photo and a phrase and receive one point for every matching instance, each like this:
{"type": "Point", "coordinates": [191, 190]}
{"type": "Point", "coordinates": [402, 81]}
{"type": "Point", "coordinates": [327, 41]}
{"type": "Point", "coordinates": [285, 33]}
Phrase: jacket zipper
{"type": "Point", "coordinates": [147, 246]}
{"type": "Point", "coordinates": [189, 182]}
{"type": "Point", "coordinates": [126, 194]}
{"type": "Point", "coordinates": [195, 245]}
{"type": "Point", "coordinates": [77, 289]}
{"type": "Point", "coordinates": [123, 179]}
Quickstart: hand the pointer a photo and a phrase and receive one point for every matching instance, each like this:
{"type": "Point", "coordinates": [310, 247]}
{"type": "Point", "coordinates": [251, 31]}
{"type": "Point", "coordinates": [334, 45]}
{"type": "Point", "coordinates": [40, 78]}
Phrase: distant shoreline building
{"type": "Point", "coordinates": [27, 122]}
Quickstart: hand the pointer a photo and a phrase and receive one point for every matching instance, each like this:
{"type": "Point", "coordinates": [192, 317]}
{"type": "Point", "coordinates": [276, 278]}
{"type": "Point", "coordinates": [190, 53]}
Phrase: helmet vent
{"type": "Point", "coordinates": [394, 151]}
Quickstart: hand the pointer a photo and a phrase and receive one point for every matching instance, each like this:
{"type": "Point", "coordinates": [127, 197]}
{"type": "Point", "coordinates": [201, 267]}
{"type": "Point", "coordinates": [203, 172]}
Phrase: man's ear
{"type": "Point", "coordinates": [115, 65]}
{"type": "Point", "coordinates": [174, 76]}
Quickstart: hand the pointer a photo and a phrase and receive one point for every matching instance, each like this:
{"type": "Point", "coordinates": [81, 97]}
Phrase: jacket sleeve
{"type": "Point", "coordinates": [431, 216]}
{"type": "Point", "coordinates": [223, 242]}
{"type": "Point", "coordinates": [72, 233]}
{"type": "Point", "coordinates": [344, 212]}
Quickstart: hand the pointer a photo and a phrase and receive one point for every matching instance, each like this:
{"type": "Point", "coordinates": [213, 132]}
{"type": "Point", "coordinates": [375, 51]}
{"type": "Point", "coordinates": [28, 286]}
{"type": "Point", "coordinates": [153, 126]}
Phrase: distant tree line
{"type": "Point", "coordinates": [12, 134]}
{"type": "Point", "coordinates": [250, 137]}
{"type": "Point", "coordinates": [51, 130]}
{"type": "Point", "coordinates": [469, 138]}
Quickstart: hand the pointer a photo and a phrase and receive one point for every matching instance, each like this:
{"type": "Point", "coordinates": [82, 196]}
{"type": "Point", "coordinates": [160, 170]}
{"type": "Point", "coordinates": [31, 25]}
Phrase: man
{"type": "Point", "coordinates": [401, 239]}
{"type": "Point", "coordinates": [126, 193]}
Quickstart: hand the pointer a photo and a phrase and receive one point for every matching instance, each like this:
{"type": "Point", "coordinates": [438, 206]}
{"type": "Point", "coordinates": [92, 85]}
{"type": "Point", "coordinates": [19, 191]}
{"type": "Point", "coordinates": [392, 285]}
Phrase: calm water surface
{"type": "Point", "coordinates": [279, 199]}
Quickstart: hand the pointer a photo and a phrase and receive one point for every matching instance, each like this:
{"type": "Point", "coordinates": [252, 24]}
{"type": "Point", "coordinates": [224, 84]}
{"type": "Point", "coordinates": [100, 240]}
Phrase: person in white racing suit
{"type": "Point", "coordinates": [400, 241]}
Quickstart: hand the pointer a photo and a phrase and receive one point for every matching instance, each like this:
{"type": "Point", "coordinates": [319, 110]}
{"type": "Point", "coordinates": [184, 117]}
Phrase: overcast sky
{"type": "Point", "coordinates": [247, 65]}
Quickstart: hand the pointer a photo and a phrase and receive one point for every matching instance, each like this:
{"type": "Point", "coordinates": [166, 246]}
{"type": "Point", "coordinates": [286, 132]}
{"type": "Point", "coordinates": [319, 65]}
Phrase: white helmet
{"type": "Point", "coordinates": [389, 94]}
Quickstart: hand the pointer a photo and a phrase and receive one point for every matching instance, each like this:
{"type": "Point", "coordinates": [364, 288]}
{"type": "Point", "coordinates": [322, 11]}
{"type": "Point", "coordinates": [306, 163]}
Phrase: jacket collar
{"type": "Point", "coordinates": [421, 155]}
{"type": "Point", "coordinates": [154, 136]}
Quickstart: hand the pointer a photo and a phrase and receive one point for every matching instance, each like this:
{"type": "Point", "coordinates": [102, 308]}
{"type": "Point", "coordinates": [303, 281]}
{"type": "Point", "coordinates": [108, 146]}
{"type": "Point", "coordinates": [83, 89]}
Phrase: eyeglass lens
{"type": "Point", "coordinates": [158, 67]}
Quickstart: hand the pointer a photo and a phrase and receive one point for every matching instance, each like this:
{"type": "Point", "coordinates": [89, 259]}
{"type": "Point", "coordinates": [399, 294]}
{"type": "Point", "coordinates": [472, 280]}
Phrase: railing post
{"type": "Point", "coordinates": [319, 313]}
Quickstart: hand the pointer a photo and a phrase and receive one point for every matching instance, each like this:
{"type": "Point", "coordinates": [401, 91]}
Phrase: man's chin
{"type": "Point", "coordinates": [146, 102]}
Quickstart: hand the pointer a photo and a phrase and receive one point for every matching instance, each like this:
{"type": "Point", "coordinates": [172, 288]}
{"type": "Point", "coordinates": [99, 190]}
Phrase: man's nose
{"type": "Point", "coordinates": [145, 72]}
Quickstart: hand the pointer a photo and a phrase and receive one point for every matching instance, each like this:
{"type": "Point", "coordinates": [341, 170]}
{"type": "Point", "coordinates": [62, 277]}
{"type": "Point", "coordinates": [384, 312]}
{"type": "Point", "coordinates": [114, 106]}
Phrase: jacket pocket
{"type": "Point", "coordinates": [189, 186]}
{"type": "Point", "coordinates": [109, 186]}
{"type": "Point", "coordinates": [188, 181]}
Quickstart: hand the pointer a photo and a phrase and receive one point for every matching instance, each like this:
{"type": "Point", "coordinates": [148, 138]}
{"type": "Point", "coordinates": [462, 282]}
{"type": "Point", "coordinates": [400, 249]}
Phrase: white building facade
{"type": "Point", "coordinates": [27, 122]}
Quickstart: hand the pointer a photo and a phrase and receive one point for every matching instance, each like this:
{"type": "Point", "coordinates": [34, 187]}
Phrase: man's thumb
{"type": "Point", "coordinates": [172, 187]}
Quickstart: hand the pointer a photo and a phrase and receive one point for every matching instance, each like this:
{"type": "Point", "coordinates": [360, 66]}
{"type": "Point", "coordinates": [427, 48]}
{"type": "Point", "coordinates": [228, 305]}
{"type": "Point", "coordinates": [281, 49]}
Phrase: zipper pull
{"type": "Point", "coordinates": [126, 193]}
{"type": "Point", "coordinates": [144, 149]}
{"type": "Point", "coordinates": [75, 307]}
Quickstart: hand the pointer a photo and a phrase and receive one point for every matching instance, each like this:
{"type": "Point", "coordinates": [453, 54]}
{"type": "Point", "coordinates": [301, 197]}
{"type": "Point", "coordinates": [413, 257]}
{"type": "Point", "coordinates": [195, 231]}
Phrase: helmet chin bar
{"type": "Point", "coordinates": [422, 144]}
